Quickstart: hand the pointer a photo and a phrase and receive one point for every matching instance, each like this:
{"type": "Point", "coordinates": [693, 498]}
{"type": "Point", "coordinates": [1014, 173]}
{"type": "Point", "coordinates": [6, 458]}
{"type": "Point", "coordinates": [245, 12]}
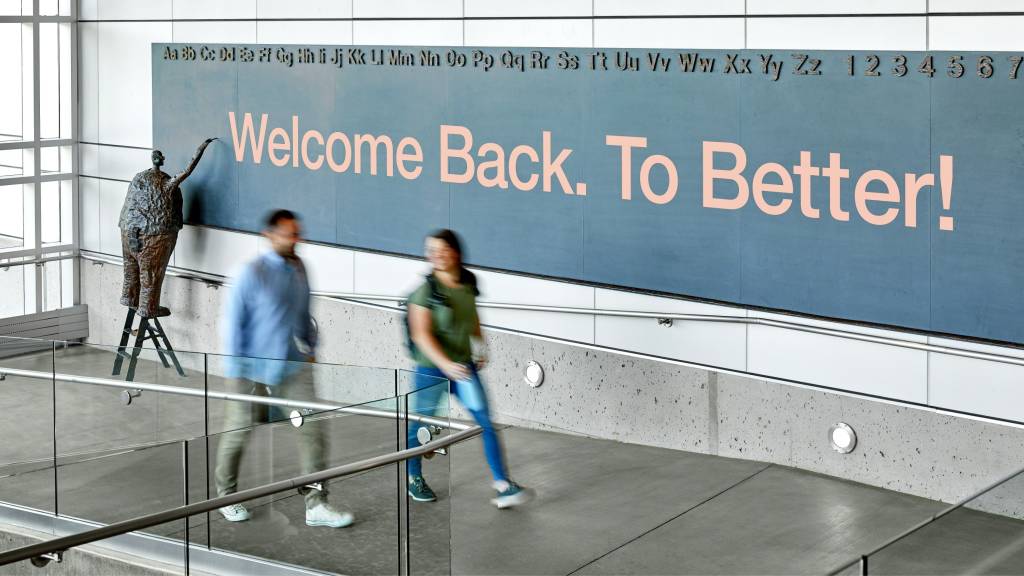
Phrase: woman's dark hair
{"type": "Point", "coordinates": [450, 238]}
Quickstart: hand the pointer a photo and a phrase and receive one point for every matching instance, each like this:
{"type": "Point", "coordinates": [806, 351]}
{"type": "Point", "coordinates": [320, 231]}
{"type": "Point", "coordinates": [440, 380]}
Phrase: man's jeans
{"type": "Point", "coordinates": [241, 417]}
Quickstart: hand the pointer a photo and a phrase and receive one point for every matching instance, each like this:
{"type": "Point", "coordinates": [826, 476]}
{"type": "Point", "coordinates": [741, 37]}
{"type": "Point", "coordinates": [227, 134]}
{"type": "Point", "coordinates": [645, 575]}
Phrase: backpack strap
{"type": "Point", "coordinates": [436, 298]}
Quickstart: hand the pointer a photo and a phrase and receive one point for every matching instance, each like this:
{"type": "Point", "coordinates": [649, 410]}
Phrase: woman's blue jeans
{"type": "Point", "coordinates": [426, 400]}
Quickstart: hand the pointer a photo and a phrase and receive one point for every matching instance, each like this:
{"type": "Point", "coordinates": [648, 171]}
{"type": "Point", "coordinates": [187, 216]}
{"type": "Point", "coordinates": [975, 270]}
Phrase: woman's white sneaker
{"type": "Point", "coordinates": [324, 515]}
{"type": "Point", "coordinates": [511, 494]}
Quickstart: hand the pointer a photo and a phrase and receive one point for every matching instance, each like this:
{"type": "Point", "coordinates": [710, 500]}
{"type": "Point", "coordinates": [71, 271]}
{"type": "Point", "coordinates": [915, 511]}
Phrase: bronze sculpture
{"type": "Point", "coordinates": [150, 221]}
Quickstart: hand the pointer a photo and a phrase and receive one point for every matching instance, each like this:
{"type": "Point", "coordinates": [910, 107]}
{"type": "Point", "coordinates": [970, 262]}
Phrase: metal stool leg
{"type": "Point", "coordinates": [139, 339]}
{"type": "Point", "coordinates": [167, 346]}
{"type": "Point", "coordinates": [125, 335]}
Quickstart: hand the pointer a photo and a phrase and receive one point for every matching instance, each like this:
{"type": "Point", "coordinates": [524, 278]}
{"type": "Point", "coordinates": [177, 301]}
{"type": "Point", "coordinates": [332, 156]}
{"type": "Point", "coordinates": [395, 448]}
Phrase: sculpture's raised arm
{"type": "Point", "coordinates": [177, 180]}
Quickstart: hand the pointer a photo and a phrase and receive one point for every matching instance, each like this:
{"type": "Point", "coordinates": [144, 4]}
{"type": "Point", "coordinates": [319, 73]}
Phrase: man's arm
{"type": "Point", "coordinates": [305, 331]}
{"type": "Point", "coordinates": [236, 315]}
{"type": "Point", "coordinates": [177, 180]}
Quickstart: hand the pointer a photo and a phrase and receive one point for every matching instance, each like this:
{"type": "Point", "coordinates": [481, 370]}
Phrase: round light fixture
{"type": "Point", "coordinates": [296, 418]}
{"type": "Point", "coordinates": [534, 374]}
{"type": "Point", "coordinates": [842, 438]}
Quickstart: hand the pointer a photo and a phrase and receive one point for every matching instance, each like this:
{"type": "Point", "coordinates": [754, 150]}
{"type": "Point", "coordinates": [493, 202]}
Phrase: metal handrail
{"type": "Point", "coordinates": [745, 320]}
{"type": "Point", "coordinates": [157, 518]}
{"type": "Point", "coordinates": [218, 395]}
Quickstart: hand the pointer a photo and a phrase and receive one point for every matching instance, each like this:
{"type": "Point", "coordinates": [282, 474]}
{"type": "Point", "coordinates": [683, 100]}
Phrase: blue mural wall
{"type": "Point", "coordinates": [881, 187]}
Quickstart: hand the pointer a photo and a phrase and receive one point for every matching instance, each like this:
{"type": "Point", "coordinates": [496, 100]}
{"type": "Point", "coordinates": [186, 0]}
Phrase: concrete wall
{"type": "Point", "coordinates": [625, 397]}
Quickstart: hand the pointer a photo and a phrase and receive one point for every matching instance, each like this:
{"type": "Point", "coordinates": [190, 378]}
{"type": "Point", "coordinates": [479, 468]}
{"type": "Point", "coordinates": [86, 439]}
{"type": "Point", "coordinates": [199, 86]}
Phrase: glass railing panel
{"type": "Point", "coordinates": [333, 385]}
{"type": "Point", "coordinates": [124, 500]}
{"type": "Point", "coordinates": [121, 485]}
{"type": "Point", "coordinates": [984, 535]}
{"type": "Point", "coordinates": [28, 426]}
{"type": "Point", "coordinates": [294, 526]}
{"type": "Point", "coordinates": [428, 480]}
{"type": "Point", "coordinates": [26, 501]}
{"type": "Point", "coordinates": [97, 409]}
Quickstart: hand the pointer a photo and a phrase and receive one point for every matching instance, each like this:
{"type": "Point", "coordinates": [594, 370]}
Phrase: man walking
{"type": "Point", "coordinates": [268, 334]}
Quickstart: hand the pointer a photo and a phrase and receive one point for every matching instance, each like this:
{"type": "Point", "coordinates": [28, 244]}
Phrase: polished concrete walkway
{"type": "Point", "coordinates": [603, 508]}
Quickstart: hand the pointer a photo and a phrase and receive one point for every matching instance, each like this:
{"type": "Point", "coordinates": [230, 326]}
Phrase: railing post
{"type": "Point", "coordinates": [185, 474]}
{"type": "Point", "coordinates": [206, 442]}
{"type": "Point", "coordinates": [402, 421]}
{"type": "Point", "coordinates": [53, 388]}
{"type": "Point", "coordinates": [863, 566]}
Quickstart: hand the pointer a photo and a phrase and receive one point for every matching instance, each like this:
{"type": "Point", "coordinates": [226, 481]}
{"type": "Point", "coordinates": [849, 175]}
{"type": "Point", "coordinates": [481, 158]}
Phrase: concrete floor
{"type": "Point", "coordinates": [603, 508]}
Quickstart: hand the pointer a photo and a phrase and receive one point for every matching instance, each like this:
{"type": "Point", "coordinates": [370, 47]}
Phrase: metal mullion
{"type": "Point", "coordinates": [32, 19]}
{"type": "Point", "coordinates": [75, 207]}
{"type": "Point", "coordinates": [35, 179]}
{"type": "Point", "coordinates": [22, 144]}
{"type": "Point", "coordinates": [37, 191]}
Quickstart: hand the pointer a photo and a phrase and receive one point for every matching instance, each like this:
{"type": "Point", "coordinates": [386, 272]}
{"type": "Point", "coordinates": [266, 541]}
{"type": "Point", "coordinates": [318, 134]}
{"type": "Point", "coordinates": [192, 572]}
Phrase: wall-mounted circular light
{"type": "Point", "coordinates": [534, 374]}
{"type": "Point", "coordinates": [842, 438]}
{"type": "Point", "coordinates": [296, 418]}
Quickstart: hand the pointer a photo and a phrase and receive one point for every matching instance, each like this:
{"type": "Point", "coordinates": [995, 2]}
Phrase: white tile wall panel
{"type": "Point", "coordinates": [975, 6]}
{"type": "Point", "coordinates": [408, 8]}
{"type": "Point", "coordinates": [134, 9]}
{"type": "Point", "coordinates": [89, 159]}
{"type": "Point", "coordinates": [606, 299]}
{"type": "Point", "coordinates": [977, 347]}
{"type": "Point", "coordinates": [387, 275]}
{"type": "Point", "coordinates": [408, 32]}
{"type": "Point", "coordinates": [833, 325]}
{"type": "Point", "coordinates": [865, 367]}
{"type": "Point", "coordinates": [329, 269]}
{"type": "Point", "coordinates": [976, 386]}
{"type": "Point", "coordinates": [575, 327]}
{"type": "Point", "coordinates": [215, 32]}
{"type": "Point", "coordinates": [304, 8]}
{"type": "Point", "coordinates": [125, 163]}
{"type": "Point", "coordinates": [88, 79]}
{"type": "Point", "coordinates": [88, 9]}
{"type": "Point", "coordinates": [713, 343]}
{"type": "Point", "coordinates": [670, 33]}
{"type": "Point", "coordinates": [125, 115]}
{"type": "Point", "coordinates": [836, 33]}
{"type": "Point", "coordinates": [983, 387]}
{"type": "Point", "coordinates": [542, 33]}
{"type": "Point", "coordinates": [217, 9]}
{"type": "Point", "coordinates": [511, 288]}
{"type": "Point", "coordinates": [89, 213]}
{"type": "Point", "coordinates": [976, 33]}
{"type": "Point", "coordinates": [836, 7]}
{"type": "Point", "coordinates": [667, 7]}
{"type": "Point", "coordinates": [490, 8]}
{"type": "Point", "coordinates": [111, 200]}
{"type": "Point", "coordinates": [214, 251]}
{"type": "Point", "coordinates": [304, 32]}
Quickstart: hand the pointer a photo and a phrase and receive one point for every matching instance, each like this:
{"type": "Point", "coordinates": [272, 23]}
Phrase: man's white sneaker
{"type": "Point", "coordinates": [235, 513]}
{"type": "Point", "coordinates": [324, 515]}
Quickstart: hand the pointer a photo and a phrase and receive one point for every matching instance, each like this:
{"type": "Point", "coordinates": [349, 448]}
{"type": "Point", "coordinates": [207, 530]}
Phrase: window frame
{"type": "Point", "coordinates": [68, 249]}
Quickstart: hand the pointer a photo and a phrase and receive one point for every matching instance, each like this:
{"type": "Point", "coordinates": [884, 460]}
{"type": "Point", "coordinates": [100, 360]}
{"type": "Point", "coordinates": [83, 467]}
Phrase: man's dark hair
{"type": "Point", "coordinates": [277, 216]}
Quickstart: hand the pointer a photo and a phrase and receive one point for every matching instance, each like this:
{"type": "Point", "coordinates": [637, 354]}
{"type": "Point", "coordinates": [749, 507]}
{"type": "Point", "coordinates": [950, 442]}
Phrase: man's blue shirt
{"type": "Point", "coordinates": [267, 325]}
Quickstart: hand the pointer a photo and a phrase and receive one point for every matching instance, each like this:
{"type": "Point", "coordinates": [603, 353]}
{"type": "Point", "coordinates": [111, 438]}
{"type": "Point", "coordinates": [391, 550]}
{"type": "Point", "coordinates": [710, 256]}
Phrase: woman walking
{"type": "Point", "coordinates": [443, 327]}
